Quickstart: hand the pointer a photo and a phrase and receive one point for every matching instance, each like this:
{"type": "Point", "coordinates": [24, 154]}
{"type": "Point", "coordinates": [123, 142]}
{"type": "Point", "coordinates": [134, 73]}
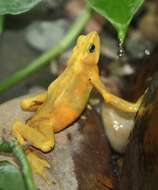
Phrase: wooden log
{"type": "Point", "coordinates": [140, 169]}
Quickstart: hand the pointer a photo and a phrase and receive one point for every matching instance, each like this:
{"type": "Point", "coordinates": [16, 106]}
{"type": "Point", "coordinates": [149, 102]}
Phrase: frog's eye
{"type": "Point", "coordinates": [91, 48]}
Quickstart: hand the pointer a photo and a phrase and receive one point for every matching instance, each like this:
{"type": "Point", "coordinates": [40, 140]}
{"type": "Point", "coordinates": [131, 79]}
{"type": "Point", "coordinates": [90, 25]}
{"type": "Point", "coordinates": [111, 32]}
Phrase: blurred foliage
{"type": "Point", "coordinates": [1, 23]}
{"type": "Point", "coordinates": [16, 6]}
{"type": "Point", "coordinates": [51, 53]}
{"type": "Point", "coordinates": [118, 12]}
{"type": "Point", "coordinates": [10, 177]}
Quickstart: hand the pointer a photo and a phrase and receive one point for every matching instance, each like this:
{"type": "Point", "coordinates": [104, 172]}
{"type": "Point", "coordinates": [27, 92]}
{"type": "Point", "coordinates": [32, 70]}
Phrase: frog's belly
{"type": "Point", "coordinates": [60, 117]}
{"type": "Point", "coordinates": [67, 111]}
{"type": "Point", "coordinates": [63, 116]}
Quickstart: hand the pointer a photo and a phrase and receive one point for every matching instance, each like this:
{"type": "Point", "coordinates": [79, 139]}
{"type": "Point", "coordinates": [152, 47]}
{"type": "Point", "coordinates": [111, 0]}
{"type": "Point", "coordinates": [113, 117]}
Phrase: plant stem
{"type": "Point", "coordinates": [26, 168]}
{"type": "Point", "coordinates": [38, 63]}
{"type": "Point", "coordinates": [14, 148]}
{"type": "Point", "coordinates": [5, 146]}
{"type": "Point", "coordinates": [1, 23]}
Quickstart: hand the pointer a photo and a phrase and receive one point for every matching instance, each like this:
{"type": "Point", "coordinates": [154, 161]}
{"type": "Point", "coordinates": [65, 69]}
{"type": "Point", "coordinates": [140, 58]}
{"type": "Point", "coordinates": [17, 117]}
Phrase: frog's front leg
{"type": "Point", "coordinates": [113, 100]}
{"type": "Point", "coordinates": [32, 103]}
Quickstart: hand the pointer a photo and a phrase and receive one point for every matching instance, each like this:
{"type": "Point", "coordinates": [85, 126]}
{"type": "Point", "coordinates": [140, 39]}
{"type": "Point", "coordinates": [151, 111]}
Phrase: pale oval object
{"type": "Point", "coordinates": [118, 126]}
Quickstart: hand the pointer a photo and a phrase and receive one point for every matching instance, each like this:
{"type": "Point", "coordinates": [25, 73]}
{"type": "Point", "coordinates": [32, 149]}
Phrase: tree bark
{"type": "Point", "coordinates": [140, 170]}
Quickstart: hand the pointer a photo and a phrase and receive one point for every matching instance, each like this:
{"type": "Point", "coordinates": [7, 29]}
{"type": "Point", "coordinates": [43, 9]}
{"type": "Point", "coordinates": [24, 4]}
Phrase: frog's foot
{"type": "Point", "coordinates": [42, 139]}
{"type": "Point", "coordinates": [37, 163]}
{"type": "Point", "coordinates": [32, 103]}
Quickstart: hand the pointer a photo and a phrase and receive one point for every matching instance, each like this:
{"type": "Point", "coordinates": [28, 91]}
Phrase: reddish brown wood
{"type": "Point", "coordinates": [140, 171]}
{"type": "Point", "coordinates": [92, 164]}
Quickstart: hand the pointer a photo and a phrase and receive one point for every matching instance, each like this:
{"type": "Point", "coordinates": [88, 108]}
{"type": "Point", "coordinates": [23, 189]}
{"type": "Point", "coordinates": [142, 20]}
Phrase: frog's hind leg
{"type": "Point", "coordinates": [41, 138]}
{"type": "Point", "coordinates": [38, 164]}
{"type": "Point", "coordinates": [32, 103]}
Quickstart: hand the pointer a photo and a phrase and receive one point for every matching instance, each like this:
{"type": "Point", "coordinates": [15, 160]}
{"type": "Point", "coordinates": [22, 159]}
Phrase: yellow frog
{"type": "Point", "coordinates": [65, 100]}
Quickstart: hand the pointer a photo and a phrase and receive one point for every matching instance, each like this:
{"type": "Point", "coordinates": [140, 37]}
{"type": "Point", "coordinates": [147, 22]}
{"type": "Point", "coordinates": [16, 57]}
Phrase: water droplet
{"type": "Point", "coordinates": [147, 52]}
{"type": "Point", "coordinates": [121, 51]}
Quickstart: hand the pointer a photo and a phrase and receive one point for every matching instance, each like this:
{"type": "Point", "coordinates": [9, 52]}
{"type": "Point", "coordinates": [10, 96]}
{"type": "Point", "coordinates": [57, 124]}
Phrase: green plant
{"type": "Point", "coordinates": [9, 172]}
{"type": "Point", "coordinates": [16, 7]}
{"type": "Point", "coordinates": [118, 12]}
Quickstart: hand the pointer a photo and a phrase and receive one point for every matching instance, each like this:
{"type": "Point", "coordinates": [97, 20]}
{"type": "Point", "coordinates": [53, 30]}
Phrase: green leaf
{"type": "Point", "coordinates": [14, 147]}
{"type": "Point", "coordinates": [118, 12]}
{"type": "Point", "coordinates": [16, 6]}
{"type": "Point", "coordinates": [10, 177]}
{"type": "Point", "coordinates": [1, 23]}
{"type": "Point", "coordinates": [5, 146]}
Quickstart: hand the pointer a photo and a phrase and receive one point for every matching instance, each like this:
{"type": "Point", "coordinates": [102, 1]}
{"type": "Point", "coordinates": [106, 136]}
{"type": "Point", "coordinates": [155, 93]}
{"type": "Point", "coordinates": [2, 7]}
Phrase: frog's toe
{"type": "Point", "coordinates": [47, 146]}
{"type": "Point", "coordinates": [37, 163]}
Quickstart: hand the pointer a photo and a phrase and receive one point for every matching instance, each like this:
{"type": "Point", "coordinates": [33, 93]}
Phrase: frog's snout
{"type": "Point", "coordinates": [94, 36]}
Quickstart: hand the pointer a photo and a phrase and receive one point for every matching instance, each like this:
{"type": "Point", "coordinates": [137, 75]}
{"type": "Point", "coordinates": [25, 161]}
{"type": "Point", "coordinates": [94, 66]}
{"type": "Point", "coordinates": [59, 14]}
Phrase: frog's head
{"type": "Point", "coordinates": [87, 49]}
